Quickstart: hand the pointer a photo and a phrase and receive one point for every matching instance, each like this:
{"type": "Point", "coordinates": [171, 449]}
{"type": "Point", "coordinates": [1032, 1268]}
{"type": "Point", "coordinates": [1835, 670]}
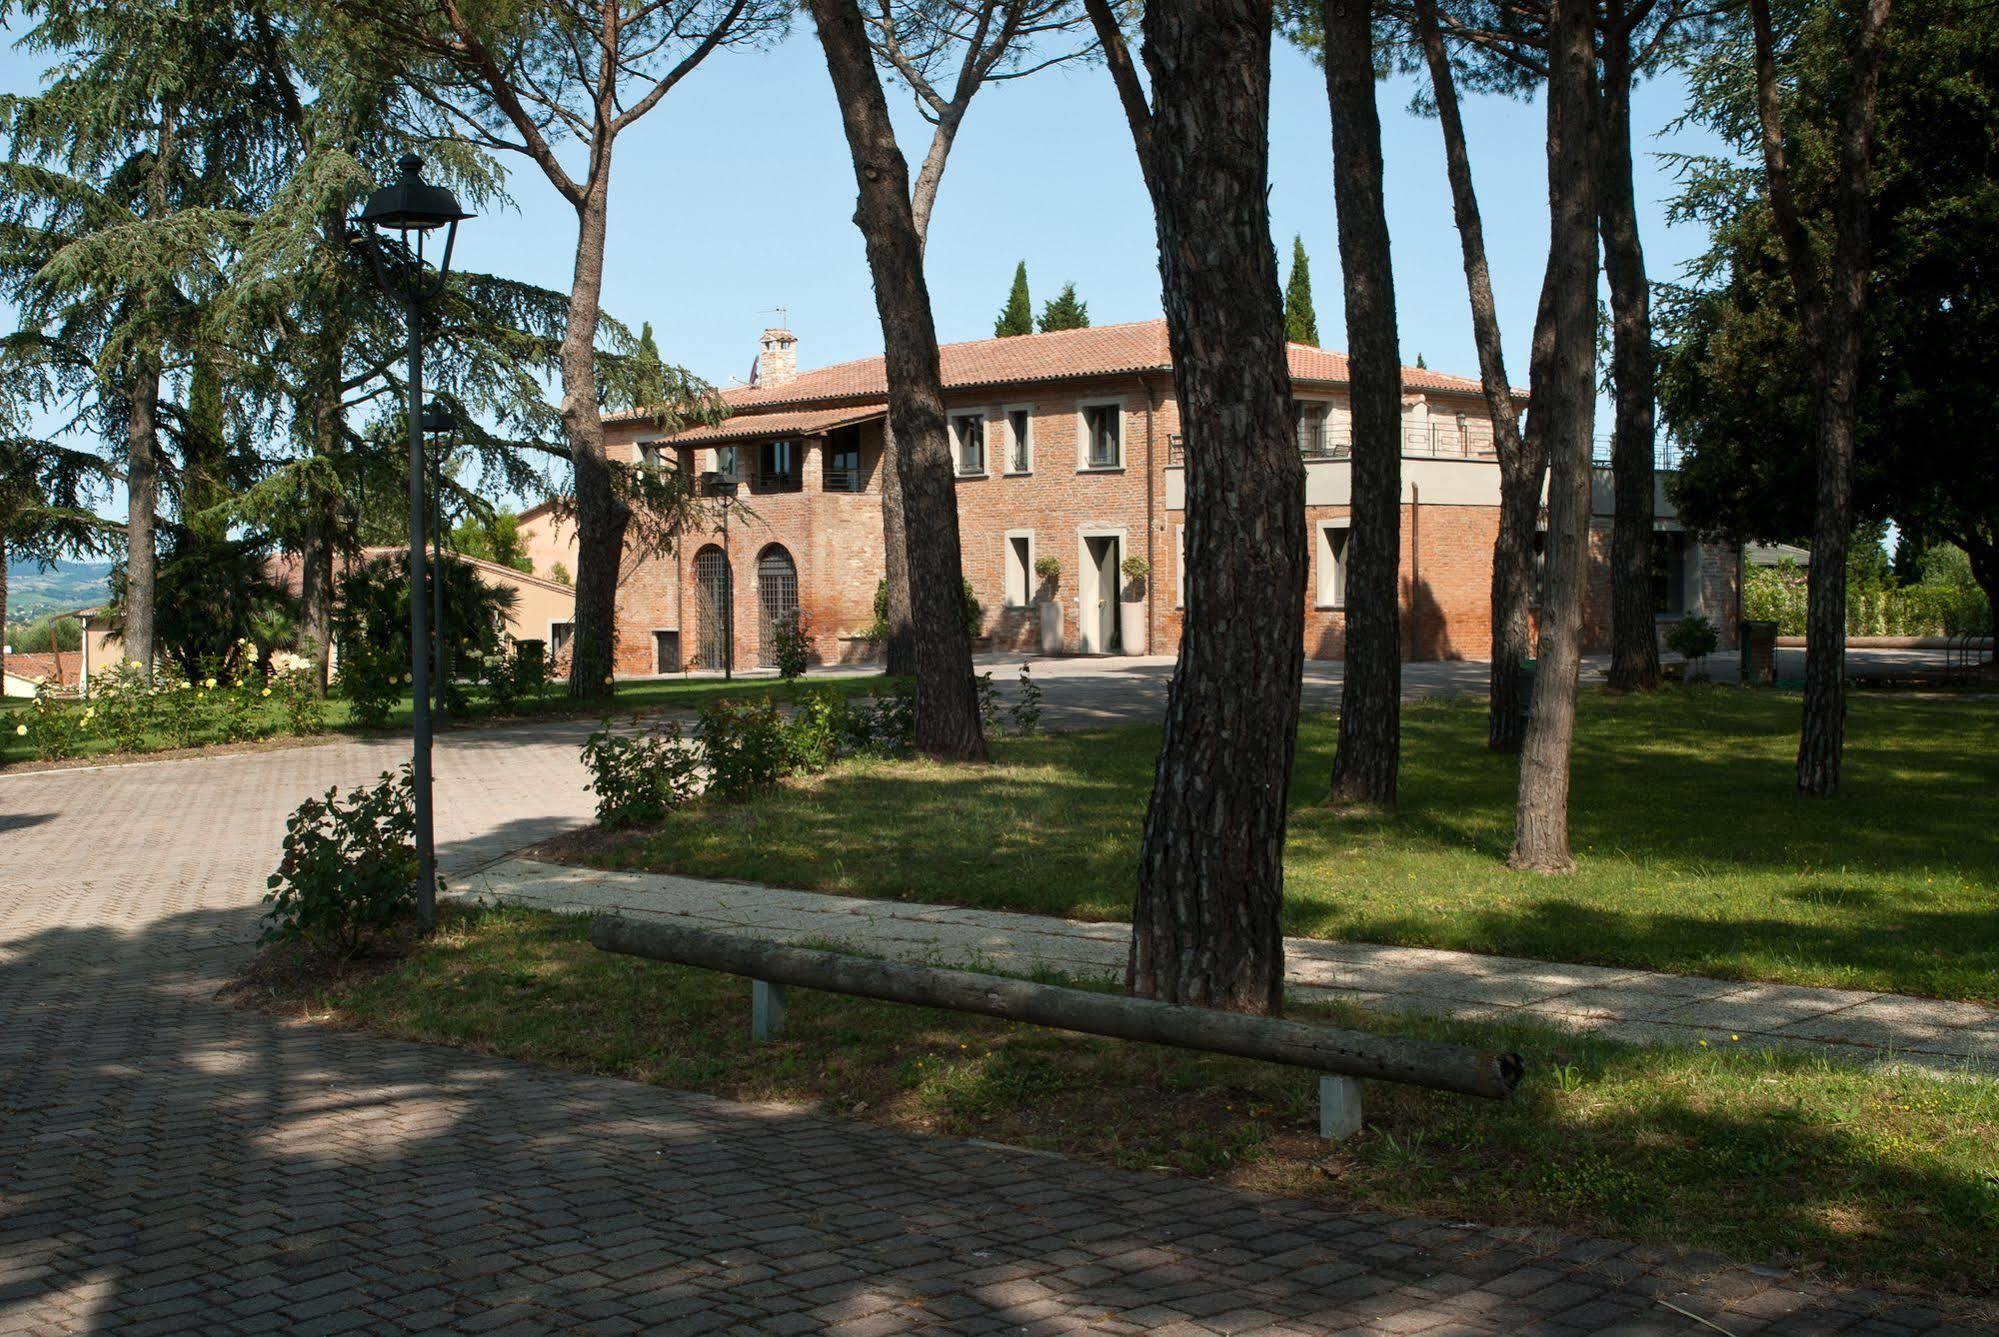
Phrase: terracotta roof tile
{"type": "Point", "coordinates": [776, 422]}
{"type": "Point", "coordinates": [1104, 350]}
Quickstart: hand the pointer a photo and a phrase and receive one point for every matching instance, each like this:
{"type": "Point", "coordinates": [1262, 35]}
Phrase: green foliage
{"type": "Point", "coordinates": [559, 573]}
{"type": "Point", "coordinates": [52, 729]}
{"type": "Point", "coordinates": [1934, 608]}
{"type": "Point", "coordinates": [1301, 322]}
{"type": "Point", "coordinates": [1048, 567]}
{"type": "Point", "coordinates": [1735, 383]}
{"type": "Point", "coordinates": [211, 602]}
{"type": "Point", "coordinates": [816, 733]}
{"type": "Point", "coordinates": [1024, 712]}
{"type": "Point", "coordinates": [885, 726]}
{"type": "Point", "coordinates": [641, 775]}
{"type": "Point", "coordinates": [301, 705]}
{"type": "Point", "coordinates": [55, 633]}
{"type": "Point", "coordinates": [493, 538]}
{"type": "Point", "coordinates": [512, 677]}
{"type": "Point", "coordinates": [791, 649]}
{"type": "Point", "coordinates": [743, 746]}
{"type": "Point", "coordinates": [974, 611]}
{"type": "Point", "coordinates": [371, 626]}
{"type": "Point", "coordinates": [1065, 312]}
{"type": "Point", "coordinates": [1692, 637]}
{"type": "Point", "coordinates": [1017, 316]}
{"type": "Point", "coordinates": [349, 868]}
{"type": "Point", "coordinates": [126, 704]}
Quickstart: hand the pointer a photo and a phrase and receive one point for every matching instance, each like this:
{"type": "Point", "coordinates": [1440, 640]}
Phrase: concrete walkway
{"type": "Point", "coordinates": [1632, 1005]}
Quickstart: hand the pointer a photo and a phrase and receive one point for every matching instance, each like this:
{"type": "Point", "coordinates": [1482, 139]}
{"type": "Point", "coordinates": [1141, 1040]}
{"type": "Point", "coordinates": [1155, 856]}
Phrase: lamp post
{"type": "Point", "coordinates": [438, 424]}
{"type": "Point", "coordinates": [412, 209]}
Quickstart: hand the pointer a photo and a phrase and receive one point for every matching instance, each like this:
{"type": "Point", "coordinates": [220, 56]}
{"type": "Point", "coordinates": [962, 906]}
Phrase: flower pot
{"type": "Point", "coordinates": [1131, 628]}
{"type": "Point", "coordinates": [1051, 628]}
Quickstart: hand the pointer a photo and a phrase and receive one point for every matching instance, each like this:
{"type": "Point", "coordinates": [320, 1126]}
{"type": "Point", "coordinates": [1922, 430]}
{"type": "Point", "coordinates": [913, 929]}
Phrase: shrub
{"type": "Point", "coordinates": [743, 746]}
{"type": "Point", "coordinates": [640, 776]}
{"type": "Point", "coordinates": [1048, 567]}
{"type": "Point", "coordinates": [1692, 637]}
{"type": "Point", "coordinates": [792, 651]}
{"type": "Point", "coordinates": [988, 698]}
{"type": "Point", "coordinates": [885, 726]}
{"type": "Point", "coordinates": [1025, 712]}
{"type": "Point", "coordinates": [239, 708]}
{"type": "Point", "coordinates": [53, 728]}
{"type": "Point", "coordinates": [974, 612]}
{"type": "Point", "coordinates": [816, 735]}
{"type": "Point", "coordinates": [512, 676]}
{"type": "Point", "coordinates": [126, 706]}
{"type": "Point", "coordinates": [180, 712]}
{"type": "Point", "coordinates": [372, 679]}
{"type": "Point", "coordinates": [295, 681]}
{"type": "Point", "coordinates": [349, 868]}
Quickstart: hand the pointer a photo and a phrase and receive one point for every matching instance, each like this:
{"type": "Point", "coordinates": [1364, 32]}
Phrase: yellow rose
{"type": "Point", "coordinates": [267, 691]}
{"type": "Point", "coordinates": [208, 684]}
{"type": "Point", "coordinates": [21, 729]}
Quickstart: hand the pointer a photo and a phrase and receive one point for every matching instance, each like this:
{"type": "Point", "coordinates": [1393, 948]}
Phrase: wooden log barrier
{"type": "Point", "coordinates": [1323, 1049]}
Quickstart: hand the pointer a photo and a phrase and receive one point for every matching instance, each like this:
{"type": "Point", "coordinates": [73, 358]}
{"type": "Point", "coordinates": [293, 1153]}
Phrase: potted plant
{"type": "Point", "coordinates": [1050, 572]}
{"type": "Point", "coordinates": [1693, 639]}
{"type": "Point", "coordinates": [1131, 607]}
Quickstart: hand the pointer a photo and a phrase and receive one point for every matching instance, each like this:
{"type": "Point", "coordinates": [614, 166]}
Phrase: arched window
{"type": "Point", "coordinates": [777, 599]}
{"type": "Point", "coordinates": [713, 608]}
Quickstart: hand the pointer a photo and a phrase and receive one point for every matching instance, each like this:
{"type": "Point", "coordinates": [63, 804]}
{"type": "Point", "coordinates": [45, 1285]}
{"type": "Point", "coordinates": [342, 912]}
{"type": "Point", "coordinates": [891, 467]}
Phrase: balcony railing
{"type": "Point", "coordinates": [1665, 454]}
{"type": "Point", "coordinates": [840, 479]}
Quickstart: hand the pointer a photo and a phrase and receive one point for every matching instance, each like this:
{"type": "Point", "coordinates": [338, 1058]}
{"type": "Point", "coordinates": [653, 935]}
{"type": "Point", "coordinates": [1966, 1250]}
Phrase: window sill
{"type": "Point", "coordinates": [962, 475]}
{"type": "Point", "coordinates": [1018, 473]}
{"type": "Point", "coordinates": [1329, 608]}
{"type": "Point", "coordinates": [1100, 469]}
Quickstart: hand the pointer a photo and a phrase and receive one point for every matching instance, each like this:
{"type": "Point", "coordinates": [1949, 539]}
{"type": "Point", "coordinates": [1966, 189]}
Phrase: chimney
{"type": "Point", "coordinates": [777, 359]}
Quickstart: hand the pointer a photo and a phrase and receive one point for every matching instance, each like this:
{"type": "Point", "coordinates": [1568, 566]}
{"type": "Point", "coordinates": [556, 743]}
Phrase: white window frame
{"type": "Point", "coordinates": [1007, 541]}
{"type": "Point", "coordinates": [1180, 566]}
{"type": "Point", "coordinates": [554, 622]}
{"type": "Point", "coordinates": [958, 468]}
{"type": "Point", "coordinates": [1006, 417]}
{"type": "Point", "coordinates": [1083, 407]}
{"type": "Point", "coordinates": [1299, 403]}
{"type": "Point", "coordinates": [1329, 588]}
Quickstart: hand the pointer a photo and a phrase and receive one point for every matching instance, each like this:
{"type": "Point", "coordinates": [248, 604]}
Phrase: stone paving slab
{"type": "Point", "coordinates": [1644, 1007]}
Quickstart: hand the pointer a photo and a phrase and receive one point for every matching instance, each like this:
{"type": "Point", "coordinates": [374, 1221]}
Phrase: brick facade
{"type": "Point", "coordinates": [1089, 516]}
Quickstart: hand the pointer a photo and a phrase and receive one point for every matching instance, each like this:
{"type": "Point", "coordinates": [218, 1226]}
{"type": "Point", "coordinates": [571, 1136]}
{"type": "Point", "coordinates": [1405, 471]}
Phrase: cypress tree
{"type": "Point", "coordinates": [1065, 312]}
{"type": "Point", "coordinates": [1301, 322]}
{"type": "Point", "coordinates": [1017, 316]}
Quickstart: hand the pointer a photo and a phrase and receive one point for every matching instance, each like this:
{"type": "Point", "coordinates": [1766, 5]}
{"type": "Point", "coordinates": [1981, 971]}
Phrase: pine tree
{"type": "Point", "coordinates": [1065, 312]}
{"type": "Point", "coordinates": [1017, 316]}
{"type": "Point", "coordinates": [1301, 322]}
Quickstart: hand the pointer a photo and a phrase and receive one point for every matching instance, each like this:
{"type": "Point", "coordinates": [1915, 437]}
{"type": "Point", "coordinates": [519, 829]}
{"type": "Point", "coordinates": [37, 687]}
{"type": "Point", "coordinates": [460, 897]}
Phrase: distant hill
{"type": "Point", "coordinates": [33, 592]}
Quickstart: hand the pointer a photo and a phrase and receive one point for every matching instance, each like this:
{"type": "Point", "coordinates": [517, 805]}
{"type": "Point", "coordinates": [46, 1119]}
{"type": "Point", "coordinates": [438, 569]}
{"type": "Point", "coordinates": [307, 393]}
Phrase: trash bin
{"type": "Point", "coordinates": [1758, 642]}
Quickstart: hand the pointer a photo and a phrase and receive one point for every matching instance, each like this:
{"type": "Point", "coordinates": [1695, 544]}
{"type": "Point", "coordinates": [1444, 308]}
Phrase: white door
{"type": "Point", "coordinates": [1099, 622]}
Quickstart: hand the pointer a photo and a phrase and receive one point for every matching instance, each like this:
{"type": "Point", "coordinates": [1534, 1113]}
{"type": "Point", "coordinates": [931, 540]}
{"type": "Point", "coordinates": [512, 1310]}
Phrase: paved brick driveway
{"type": "Point", "coordinates": [171, 1165]}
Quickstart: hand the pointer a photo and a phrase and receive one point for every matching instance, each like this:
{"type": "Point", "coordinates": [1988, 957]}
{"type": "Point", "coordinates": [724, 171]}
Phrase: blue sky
{"type": "Point", "coordinates": [735, 196]}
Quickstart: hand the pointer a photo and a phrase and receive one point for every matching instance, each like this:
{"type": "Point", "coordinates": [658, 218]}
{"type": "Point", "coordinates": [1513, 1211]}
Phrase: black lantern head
{"type": "Point", "coordinates": [412, 204]}
{"type": "Point", "coordinates": [438, 418]}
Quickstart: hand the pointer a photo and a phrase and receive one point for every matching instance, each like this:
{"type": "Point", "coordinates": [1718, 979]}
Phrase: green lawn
{"type": "Point", "coordinates": [1879, 1177]}
{"type": "Point", "coordinates": [1695, 856]}
{"type": "Point", "coordinates": [644, 695]}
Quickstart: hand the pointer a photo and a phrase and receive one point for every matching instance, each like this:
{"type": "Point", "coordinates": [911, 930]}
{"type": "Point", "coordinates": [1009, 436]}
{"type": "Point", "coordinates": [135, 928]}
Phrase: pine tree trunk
{"type": "Point", "coordinates": [601, 516]}
{"type": "Point", "coordinates": [320, 525]}
{"type": "Point", "coordinates": [3, 609]}
{"type": "Point", "coordinates": [1823, 733]}
{"type": "Point", "coordinates": [1560, 414]}
{"type": "Point", "coordinates": [1634, 641]}
{"type": "Point", "coordinates": [1206, 927]}
{"type": "Point", "coordinates": [900, 651]}
{"type": "Point", "coordinates": [1522, 463]}
{"type": "Point", "coordinates": [142, 486]}
{"type": "Point", "coordinates": [947, 712]}
{"type": "Point", "coordinates": [1370, 746]}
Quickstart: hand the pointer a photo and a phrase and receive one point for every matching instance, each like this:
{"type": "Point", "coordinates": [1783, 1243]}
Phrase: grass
{"type": "Point", "coordinates": [1878, 1177]}
{"type": "Point", "coordinates": [1694, 854]}
{"type": "Point", "coordinates": [643, 695]}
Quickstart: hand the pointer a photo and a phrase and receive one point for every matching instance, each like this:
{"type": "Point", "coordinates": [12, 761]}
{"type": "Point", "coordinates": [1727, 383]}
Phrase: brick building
{"type": "Point", "coordinates": [1068, 446]}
